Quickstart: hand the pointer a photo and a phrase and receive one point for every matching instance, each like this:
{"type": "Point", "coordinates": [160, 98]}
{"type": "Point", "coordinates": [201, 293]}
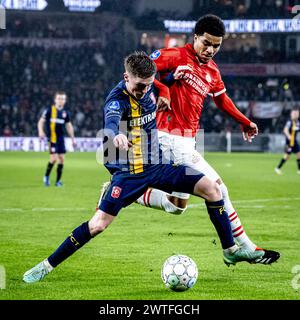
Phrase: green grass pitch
{"type": "Point", "coordinates": [125, 261]}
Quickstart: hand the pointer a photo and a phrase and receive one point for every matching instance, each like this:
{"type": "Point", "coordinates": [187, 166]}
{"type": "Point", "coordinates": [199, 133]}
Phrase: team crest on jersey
{"type": "Point", "coordinates": [116, 191]}
{"type": "Point", "coordinates": [154, 55]}
{"type": "Point", "coordinates": [114, 106]}
{"type": "Point", "coordinates": [196, 157]}
{"type": "Point", "coordinates": [208, 77]}
{"type": "Point", "coordinates": [64, 114]}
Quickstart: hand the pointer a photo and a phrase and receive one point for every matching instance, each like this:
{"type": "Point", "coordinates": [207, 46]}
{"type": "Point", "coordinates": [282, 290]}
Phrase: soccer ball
{"type": "Point", "coordinates": [179, 272]}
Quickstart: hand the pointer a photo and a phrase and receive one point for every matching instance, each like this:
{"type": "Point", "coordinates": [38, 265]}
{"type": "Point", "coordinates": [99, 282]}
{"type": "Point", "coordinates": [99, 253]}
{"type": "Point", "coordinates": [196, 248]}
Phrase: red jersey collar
{"type": "Point", "coordinates": [192, 51]}
{"type": "Point", "coordinates": [190, 48]}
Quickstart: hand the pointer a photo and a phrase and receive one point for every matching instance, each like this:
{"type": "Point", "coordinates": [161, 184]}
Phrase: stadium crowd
{"type": "Point", "coordinates": [254, 9]}
{"type": "Point", "coordinates": [30, 74]}
{"type": "Point", "coordinates": [226, 9]}
{"type": "Point", "coordinates": [39, 55]}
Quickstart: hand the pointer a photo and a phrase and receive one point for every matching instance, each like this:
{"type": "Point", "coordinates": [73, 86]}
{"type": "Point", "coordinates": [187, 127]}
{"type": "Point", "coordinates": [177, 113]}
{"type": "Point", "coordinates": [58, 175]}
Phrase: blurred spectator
{"type": "Point", "coordinates": [7, 132]}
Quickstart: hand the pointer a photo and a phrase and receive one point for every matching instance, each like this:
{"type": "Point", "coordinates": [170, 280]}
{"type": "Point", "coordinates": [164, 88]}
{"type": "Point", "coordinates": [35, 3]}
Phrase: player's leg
{"type": "Point", "coordinates": [77, 239]}
{"type": "Point", "coordinates": [158, 199]}
{"type": "Point", "coordinates": [297, 151]}
{"type": "Point", "coordinates": [240, 236]}
{"type": "Point", "coordinates": [123, 190]}
{"type": "Point", "coordinates": [50, 164]}
{"type": "Point", "coordinates": [61, 150]}
{"type": "Point", "coordinates": [298, 162]}
{"type": "Point", "coordinates": [182, 178]}
{"type": "Point", "coordinates": [197, 162]}
{"type": "Point", "coordinates": [237, 228]}
{"type": "Point", "coordinates": [210, 191]}
{"type": "Point", "coordinates": [284, 159]}
{"type": "Point", "coordinates": [59, 170]}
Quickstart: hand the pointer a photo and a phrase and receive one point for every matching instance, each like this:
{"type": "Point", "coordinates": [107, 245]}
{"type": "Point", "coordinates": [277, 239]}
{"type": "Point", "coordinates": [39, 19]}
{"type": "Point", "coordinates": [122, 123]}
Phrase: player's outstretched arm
{"type": "Point", "coordinates": [249, 129]}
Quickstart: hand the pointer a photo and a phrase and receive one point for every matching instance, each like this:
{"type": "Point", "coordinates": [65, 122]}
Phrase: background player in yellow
{"type": "Point", "coordinates": [292, 127]}
{"type": "Point", "coordinates": [56, 118]}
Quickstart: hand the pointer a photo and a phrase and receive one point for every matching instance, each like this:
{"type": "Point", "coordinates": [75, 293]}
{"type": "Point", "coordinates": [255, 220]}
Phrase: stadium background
{"type": "Point", "coordinates": [81, 53]}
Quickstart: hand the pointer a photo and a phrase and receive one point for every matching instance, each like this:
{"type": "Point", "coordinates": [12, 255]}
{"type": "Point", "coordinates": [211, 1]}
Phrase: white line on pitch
{"type": "Point", "coordinates": [242, 204]}
{"type": "Point", "coordinates": [58, 209]}
{"type": "Point", "coordinates": [41, 209]}
{"type": "Point", "coordinates": [266, 200]}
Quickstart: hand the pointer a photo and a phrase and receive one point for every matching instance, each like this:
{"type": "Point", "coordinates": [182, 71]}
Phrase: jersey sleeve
{"type": "Point", "coordinates": [46, 114]}
{"type": "Point", "coordinates": [219, 86]}
{"type": "Point", "coordinates": [161, 90]}
{"type": "Point", "coordinates": [224, 103]}
{"type": "Point", "coordinates": [288, 124]}
{"type": "Point", "coordinates": [166, 60]}
{"type": "Point", "coordinates": [113, 112]}
{"type": "Point", "coordinates": [68, 117]}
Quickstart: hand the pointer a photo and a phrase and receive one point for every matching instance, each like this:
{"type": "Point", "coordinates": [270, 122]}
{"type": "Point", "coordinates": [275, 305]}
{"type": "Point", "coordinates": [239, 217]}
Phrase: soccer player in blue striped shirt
{"type": "Point", "coordinates": [56, 119]}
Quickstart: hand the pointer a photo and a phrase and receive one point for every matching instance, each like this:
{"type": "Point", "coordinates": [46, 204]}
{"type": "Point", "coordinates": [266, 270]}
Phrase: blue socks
{"type": "Point", "coordinates": [220, 220]}
{"type": "Point", "coordinates": [79, 237]}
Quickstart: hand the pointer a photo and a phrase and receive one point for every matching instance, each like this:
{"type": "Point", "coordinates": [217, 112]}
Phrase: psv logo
{"type": "Point", "coordinates": [116, 191]}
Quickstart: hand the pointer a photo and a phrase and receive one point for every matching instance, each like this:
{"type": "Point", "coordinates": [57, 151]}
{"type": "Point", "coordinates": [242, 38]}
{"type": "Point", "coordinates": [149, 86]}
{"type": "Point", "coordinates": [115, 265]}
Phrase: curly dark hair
{"type": "Point", "coordinates": [211, 24]}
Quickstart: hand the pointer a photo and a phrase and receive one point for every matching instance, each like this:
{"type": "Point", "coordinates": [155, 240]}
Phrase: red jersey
{"type": "Point", "coordinates": [187, 94]}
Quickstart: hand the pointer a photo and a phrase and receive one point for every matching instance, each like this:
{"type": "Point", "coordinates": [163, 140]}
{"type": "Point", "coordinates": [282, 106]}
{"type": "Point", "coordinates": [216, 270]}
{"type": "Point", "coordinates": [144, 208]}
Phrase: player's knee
{"type": "Point", "coordinates": [99, 222]}
{"type": "Point", "coordinates": [61, 159]}
{"type": "Point", "coordinates": [210, 191]}
{"type": "Point", "coordinates": [53, 160]}
{"type": "Point", "coordinates": [214, 192]}
{"type": "Point", "coordinates": [97, 227]}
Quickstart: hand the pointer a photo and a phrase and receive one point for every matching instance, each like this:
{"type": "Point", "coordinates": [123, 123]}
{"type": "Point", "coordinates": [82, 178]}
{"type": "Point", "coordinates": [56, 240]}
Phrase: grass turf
{"type": "Point", "coordinates": [125, 261]}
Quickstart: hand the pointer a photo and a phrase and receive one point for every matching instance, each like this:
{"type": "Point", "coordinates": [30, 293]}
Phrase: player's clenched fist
{"type": "Point", "coordinates": [249, 132]}
{"type": "Point", "coordinates": [121, 142]}
{"type": "Point", "coordinates": [163, 104]}
{"type": "Point", "coordinates": [180, 71]}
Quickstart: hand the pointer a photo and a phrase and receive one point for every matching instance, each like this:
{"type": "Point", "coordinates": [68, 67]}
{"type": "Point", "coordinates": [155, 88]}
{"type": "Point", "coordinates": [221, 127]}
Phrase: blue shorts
{"type": "Point", "coordinates": [58, 147]}
{"type": "Point", "coordinates": [294, 149]}
{"type": "Point", "coordinates": [125, 188]}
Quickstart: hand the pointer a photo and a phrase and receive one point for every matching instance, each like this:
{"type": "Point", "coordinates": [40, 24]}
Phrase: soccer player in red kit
{"type": "Point", "coordinates": [192, 75]}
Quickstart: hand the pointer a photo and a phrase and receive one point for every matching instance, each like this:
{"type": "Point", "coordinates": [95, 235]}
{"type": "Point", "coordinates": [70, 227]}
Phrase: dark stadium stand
{"type": "Point", "coordinates": [82, 54]}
